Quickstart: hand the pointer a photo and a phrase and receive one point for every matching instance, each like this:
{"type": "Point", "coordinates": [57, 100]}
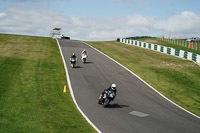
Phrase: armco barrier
{"type": "Point", "coordinates": [167, 50]}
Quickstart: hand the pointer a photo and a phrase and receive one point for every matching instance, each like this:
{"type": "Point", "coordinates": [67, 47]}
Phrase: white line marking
{"type": "Point", "coordinates": [139, 114]}
{"type": "Point", "coordinates": [144, 82]}
{"type": "Point", "coordinates": [72, 93]}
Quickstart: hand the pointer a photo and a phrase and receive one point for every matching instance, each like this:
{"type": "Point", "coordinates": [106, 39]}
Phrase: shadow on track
{"type": "Point", "coordinates": [117, 106]}
{"type": "Point", "coordinates": [89, 62]}
{"type": "Point", "coordinates": [78, 67]}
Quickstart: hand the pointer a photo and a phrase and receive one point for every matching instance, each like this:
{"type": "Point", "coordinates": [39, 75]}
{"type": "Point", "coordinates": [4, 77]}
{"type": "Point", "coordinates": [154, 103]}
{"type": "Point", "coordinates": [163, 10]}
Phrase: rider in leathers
{"type": "Point", "coordinates": [111, 88]}
{"type": "Point", "coordinates": [84, 52]}
{"type": "Point", "coordinates": [74, 57]}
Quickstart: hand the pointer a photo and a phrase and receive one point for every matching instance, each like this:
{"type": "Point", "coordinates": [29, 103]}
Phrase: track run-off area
{"type": "Point", "coordinates": [137, 107]}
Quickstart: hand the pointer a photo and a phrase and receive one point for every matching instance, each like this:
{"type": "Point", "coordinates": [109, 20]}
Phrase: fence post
{"type": "Point", "coordinates": [196, 46]}
{"type": "Point", "coordinates": [155, 47]}
{"type": "Point", "coordinates": [168, 50]}
{"type": "Point", "coordinates": [145, 45]}
{"type": "Point", "coordinates": [177, 52]}
{"type": "Point", "coordinates": [194, 57]}
{"type": "Point", "coordinates": [185, 54]}
{"type": "Point", "coordinates": [186, 44]}
{"type": "Point", "coordinates": [182, 43]}
{"type": "Point", "coordinates": [162, 49]}
{"type": "Point", "coordinates": [149, 46]}
{"type": "Point", "coordinates": [140, 44]}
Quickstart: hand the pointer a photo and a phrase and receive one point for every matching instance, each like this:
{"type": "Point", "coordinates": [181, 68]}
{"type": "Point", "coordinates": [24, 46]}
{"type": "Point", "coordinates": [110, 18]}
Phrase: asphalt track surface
{"type": "Point", "coordinates": [136, 109]}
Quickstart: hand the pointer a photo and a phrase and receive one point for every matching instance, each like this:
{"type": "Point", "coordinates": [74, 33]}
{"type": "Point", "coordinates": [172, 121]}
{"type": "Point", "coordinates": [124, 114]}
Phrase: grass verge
{"type": "Point", "coordinates": [177, 79]}
{"type": "Point", "coordinates": [32, 78]}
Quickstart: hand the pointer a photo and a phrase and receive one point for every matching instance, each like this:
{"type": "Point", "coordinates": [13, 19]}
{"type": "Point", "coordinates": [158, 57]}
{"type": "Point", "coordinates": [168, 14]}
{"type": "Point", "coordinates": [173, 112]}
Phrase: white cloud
{"type": "Point", "coordinates": [2, 15]}
{"type": "Point", "coordinates": [41, 22]}
{"type": "Point", "coordinates": [185, 24]}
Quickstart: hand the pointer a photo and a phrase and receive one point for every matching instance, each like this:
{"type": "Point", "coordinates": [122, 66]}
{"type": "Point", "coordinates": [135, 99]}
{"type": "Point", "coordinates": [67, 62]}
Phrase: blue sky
{"type": "Point", "coordinates": [101, 19]}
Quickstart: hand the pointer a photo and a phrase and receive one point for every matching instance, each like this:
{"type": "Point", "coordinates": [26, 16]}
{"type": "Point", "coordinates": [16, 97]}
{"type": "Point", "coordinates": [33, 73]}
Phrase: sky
{"type": "Point", "coordinates": [101, 20]}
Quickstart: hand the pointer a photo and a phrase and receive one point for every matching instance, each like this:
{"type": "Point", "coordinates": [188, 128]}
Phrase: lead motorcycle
{"type": "Point", "coordinates": [84, 57]}
{"type": "Point", "coordinates": [106, 98]}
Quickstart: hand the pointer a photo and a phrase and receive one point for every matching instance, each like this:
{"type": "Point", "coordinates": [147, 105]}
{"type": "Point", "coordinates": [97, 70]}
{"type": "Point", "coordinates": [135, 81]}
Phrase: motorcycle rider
{"type": "Point", "coordinates": [112, 88]}
{"type": "Point", "coordinates": [84, 55]}
{"type": "Point", "coordinates": [73, 57]}
{"type": "Point", "coordinates": [84, 52]}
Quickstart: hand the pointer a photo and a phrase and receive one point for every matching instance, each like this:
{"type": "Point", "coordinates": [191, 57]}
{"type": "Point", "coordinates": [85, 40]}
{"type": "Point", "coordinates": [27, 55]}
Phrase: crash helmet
{"type": "Point", "coordinates": [84, 50]}
{"type": "Point", "coordinates": [113, 87]}
{"type": "Point", "coordinates": [73, 54]}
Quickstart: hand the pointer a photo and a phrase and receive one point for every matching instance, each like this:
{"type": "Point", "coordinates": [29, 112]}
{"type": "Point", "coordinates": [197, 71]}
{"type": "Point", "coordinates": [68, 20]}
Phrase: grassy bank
{"type": "Point", "coordinates": [32, 78]}
{"type": "Point", "coordinates": [176, 78]}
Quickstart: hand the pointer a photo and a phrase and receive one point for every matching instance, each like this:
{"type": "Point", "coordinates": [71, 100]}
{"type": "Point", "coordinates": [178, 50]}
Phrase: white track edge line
{"type": "Point", "coordinates": [72, 93]}
{"type": "Point", "coordinates": [144, 82]}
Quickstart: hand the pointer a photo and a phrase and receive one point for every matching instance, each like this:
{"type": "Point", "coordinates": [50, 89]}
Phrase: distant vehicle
{"type": "Point", "coordinates": [65, 37]}
{"type": "Point", "coordinates": [193, 39]}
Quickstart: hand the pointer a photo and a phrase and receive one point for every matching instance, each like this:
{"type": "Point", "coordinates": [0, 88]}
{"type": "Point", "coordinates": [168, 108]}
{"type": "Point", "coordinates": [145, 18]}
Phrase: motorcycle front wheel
{"type": "Point", "coordinates": [72, 65]}
{"type": "Point", "coordinates": [106, 102]}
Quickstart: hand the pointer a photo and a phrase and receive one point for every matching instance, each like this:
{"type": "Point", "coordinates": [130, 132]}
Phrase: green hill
{"type": "Point", "coordinates": [32, 78]}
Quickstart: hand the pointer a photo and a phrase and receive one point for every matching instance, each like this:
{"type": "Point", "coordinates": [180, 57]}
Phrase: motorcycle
{"type": "Point", "coordinates": [84, 56]}
{"type": "Point", "coordinates": [73, 62]}
{"type": "Point", "coordinates": [106, 98]}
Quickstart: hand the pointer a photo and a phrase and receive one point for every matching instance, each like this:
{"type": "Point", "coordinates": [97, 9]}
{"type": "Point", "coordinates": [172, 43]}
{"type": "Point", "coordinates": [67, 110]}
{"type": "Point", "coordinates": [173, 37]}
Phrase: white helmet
{"type": "Point", "coordinates": [113, 86]}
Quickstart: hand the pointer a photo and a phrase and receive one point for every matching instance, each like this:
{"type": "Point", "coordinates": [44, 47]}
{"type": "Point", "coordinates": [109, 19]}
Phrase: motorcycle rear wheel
{"type": "Point", "coordinates": [100, 101]}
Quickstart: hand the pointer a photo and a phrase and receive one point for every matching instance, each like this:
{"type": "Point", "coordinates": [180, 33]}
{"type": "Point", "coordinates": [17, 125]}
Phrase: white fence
{"type": "Point", "coordinates": [170, 51]}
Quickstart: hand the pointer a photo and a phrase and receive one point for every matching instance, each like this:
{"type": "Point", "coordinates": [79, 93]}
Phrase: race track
{"type": "Point", "coordinates": [136, 109]}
